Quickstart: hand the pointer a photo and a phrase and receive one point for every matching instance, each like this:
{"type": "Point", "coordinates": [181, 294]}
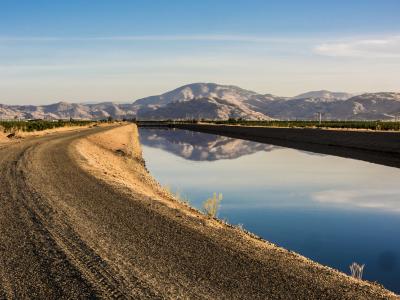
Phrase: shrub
{"type": "Point", "coordinates": [356, 270]}
{"type": "Point", "coordinates": [211, 205]}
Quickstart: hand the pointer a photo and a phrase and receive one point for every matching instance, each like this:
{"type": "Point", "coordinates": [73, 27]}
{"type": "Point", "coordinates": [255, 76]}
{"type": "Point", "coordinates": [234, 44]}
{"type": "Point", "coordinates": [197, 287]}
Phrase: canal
{"type": "Point", "coordinates": [333, 210]}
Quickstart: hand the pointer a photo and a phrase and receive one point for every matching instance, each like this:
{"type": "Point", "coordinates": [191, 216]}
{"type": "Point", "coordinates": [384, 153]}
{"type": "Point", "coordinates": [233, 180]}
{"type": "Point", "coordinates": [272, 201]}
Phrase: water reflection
{"type": "Point", "coordinates": [331, 209]}
{"type": "Point", "coordinates": [366, 198]}
{"type": "Point", "coordinates": [199, 146]}
{"type": "Point", "coordinates": [388, 261]}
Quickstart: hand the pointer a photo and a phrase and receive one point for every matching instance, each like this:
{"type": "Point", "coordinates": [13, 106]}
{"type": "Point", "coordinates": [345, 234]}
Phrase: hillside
{"type": "Point", "coordinates": [201, 108]}
{"type": "Point", "coordinates": [212, 101]}
{"type": "Point", "coordinates": [65, 110]}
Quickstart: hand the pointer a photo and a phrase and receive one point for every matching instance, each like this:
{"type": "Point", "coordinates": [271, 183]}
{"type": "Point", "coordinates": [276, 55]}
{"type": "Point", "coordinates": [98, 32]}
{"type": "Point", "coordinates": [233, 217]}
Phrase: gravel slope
{"type": "Point", "coordinates": [81, 218]}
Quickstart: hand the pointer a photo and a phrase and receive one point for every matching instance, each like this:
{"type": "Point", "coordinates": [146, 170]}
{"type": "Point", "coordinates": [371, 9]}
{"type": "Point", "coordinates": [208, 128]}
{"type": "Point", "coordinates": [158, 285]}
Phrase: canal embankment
{"type": "Point", "coordinates": [184, 253]}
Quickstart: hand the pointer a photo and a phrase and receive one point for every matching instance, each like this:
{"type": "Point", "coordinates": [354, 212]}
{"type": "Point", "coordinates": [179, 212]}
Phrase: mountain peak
{"type": "Point", "coordinates": [324, 95]}
{"type": "Point", "coordinates": [199, 90]}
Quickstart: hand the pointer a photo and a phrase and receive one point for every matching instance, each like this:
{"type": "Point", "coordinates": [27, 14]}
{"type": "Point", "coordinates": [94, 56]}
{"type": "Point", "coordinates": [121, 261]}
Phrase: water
{"type": "Point", "coordinates": [333, 210]}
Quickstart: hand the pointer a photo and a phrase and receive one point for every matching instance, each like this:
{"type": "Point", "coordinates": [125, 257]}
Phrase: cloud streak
{"type": "Point", "coordinates": [382, 47]}
{"type": "Point", "coordinates": [388, 47]}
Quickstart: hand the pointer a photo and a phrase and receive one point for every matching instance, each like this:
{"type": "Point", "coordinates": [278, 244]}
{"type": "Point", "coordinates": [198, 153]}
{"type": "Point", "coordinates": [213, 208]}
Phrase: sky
{"type": "Point", "coordinates": [92, 51]}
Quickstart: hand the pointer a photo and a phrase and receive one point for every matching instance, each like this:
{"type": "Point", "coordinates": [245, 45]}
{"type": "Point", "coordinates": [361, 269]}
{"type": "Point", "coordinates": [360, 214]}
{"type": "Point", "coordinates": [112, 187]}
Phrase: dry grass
{"type": "Point", "coordinates": [212, 205]}
{"type": "Point", "coordinates": [356, 270]}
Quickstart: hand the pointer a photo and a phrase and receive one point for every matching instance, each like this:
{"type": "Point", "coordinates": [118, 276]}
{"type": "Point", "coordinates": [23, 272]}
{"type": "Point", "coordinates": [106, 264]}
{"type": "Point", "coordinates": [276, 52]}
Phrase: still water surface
{"type": "Point", "coordinates": [330, 209]}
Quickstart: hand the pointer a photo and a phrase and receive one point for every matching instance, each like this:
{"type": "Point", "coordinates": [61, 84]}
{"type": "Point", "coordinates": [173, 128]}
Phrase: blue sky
{"type": "Point", "coordinates": [123, 50]}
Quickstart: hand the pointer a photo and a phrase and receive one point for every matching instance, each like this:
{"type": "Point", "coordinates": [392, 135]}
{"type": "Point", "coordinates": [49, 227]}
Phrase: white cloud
{"type": "Point", "coordinates": [388, 47]}
{"type": "Point", "coordinates": [365, 198]}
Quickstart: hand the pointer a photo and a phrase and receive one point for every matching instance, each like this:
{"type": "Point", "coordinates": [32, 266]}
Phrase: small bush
{"type": "Point", "coordinates": [211, 205]}
{"type": "Point", "coordinates": [240, 226]}
{"type": "Point", "coordinates": [356, 270]}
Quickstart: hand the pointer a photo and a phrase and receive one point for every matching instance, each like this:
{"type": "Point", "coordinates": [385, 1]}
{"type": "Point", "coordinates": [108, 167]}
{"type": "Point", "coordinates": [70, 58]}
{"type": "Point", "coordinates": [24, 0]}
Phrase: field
{"type": "Point", "coordinates": [38, 125]}
{"type": "Point", "coordinates": [367, 125]}
{"type": "Point", "coordinates": [362, 125]}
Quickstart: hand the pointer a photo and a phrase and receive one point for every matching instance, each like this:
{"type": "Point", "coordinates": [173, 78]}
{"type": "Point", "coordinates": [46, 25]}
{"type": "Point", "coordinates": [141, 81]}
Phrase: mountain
{"type": "Point", "coordinates": [10, 112]}
{"type": "Point", "coordinates": [206, 100]}
{"type": "Point", "coordinates": [198, 108]}
{"type": "Point", "coordinates": [213, 101]}
{"type": "Point", "coordinates": [65, 110]}
{"type": "Point", "coordinates": [324, 95]}
{"type": "Point", "coordinates": [231, 93]}
{"type": "Point", "coordinates": [372, 106]}
{"type": "Point", "coordinates": [198, 100]}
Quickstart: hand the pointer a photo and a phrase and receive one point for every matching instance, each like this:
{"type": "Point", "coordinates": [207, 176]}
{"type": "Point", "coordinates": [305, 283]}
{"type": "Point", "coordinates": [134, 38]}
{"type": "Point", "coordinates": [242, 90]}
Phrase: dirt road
{"type": "Point", "coordinates": [67, 234]}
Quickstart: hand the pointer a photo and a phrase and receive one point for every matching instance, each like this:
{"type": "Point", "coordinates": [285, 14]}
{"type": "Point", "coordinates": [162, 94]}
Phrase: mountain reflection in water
{"type": "Point", "coordinates": [199, 146]}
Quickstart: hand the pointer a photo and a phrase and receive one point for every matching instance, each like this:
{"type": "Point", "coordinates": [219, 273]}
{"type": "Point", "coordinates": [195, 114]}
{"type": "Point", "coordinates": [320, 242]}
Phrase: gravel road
{"type": "Point", "coordinates": [65, 234]}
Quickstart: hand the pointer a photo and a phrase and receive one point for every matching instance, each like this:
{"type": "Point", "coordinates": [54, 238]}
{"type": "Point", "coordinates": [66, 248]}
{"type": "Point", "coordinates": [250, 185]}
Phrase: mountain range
{"type": "Point", "coordinates": [213, 101]}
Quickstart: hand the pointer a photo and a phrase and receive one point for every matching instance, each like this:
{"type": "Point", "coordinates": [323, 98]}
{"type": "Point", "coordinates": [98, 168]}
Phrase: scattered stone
{"type": "Point", "coordinates": [120, 152]}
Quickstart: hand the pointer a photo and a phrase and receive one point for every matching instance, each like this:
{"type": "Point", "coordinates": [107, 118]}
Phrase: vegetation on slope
{"type": "Point", "coordinates": [38, 125]}
{"type": "Point", "coordinates": [367, 125]}
{"type": "Point", "coordinates": [372, 125]}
